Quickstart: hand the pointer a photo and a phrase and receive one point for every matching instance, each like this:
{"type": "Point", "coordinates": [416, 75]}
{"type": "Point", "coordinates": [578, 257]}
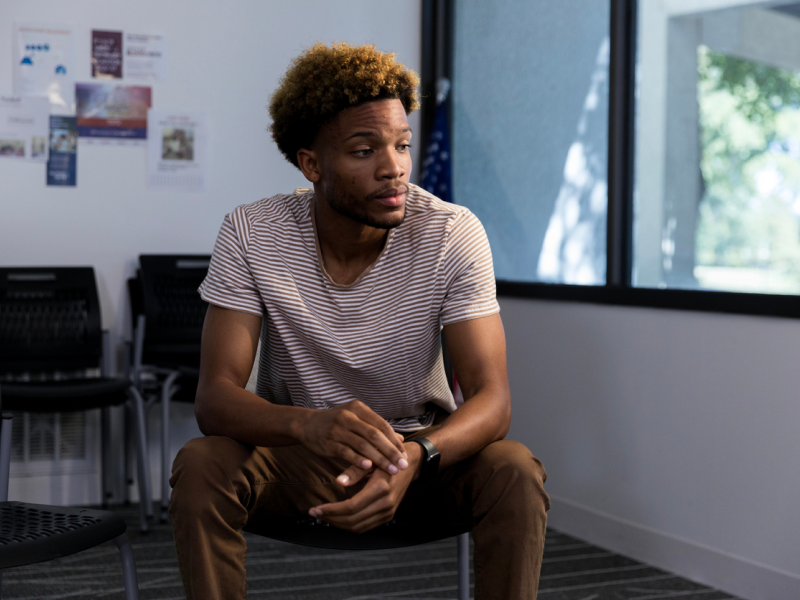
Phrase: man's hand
{"type": "Point", "coordinates": [376, 503]}
{"type": "Point", "coordinates": [355, 433]}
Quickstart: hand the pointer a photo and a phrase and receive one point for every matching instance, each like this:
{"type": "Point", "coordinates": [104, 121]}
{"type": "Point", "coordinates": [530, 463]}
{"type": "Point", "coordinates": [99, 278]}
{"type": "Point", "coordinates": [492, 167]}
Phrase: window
{"type": "Point", "coordinates": [632, 152]}
{"type": "Point", "coordinates": [530, 133]}
{"type": "Point", "coordinates": [717, 194]}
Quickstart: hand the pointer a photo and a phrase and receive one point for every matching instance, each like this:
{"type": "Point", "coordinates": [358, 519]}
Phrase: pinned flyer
{"type": "Point", "coordinates": [24, 128]}
{"type": "Point", "coordinates": [176, 151]}
{"type": "Point", "coordinates": [145, 56]}
{"type": "Point", "coordinates": [108, 111]}
{"type": "Point", "coordinates": [129, 55]}
{"type": "Point", "coordinates": [106, 54]}
{"type": "Point", "coordinates": [43, 65]}
{"type": "Point", "coordinates": [62, 168]}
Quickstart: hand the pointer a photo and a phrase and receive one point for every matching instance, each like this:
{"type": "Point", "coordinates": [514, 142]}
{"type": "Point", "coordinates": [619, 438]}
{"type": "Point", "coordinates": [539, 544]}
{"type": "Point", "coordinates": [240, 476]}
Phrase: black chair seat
{"type": "Point", "coordinates": [31, 533]}
{"type": "Point", "coordinates": [64, 396]}
{"type": "Point", "coordinates": [317, 534]}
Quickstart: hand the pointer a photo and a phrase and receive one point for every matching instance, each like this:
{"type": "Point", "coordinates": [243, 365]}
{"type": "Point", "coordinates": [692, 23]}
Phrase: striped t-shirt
{"type": "Point", "coordinates": [376, 340]}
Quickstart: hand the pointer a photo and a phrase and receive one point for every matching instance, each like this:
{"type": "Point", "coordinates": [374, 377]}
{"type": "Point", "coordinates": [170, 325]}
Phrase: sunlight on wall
{"type": "Point", "coordinates": [574, 245]}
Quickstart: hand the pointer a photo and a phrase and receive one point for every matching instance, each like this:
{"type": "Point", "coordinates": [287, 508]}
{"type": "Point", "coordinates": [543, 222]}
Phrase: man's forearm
{"type": "Point", "coordinates": [481, 420]}
{"type": "Point", "coordinates": [223, 408]}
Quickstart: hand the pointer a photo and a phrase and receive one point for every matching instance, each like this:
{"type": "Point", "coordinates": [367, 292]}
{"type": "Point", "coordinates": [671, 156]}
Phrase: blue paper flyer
{"type": "Point", "coordinates": [62, 166]}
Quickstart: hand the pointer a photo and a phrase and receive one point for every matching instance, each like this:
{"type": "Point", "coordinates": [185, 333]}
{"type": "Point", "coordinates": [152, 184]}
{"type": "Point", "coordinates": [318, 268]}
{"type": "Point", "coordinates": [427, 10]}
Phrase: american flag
{"type": "Point", "coordinates": [436, 170]}
{"type": "Point", "coordinates": [436, 174]}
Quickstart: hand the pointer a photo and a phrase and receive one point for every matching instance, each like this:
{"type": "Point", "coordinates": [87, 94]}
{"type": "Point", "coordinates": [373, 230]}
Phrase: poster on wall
{"type": "Point", "coordinates": [176, 151]}
{"type": "Point", "coordinates": [43, 65]}
{"type": "Point", "coordinates": [107, 54]}
{"type": "Point", "coordinates": [145, 56]}
{"type": "Point", "coordinates": [127, 55]}
{"type": "Point", "coordinates": [24, 127]}
{"type": "Point", "coordinates": [63, 163]}
{"type": "Point", "coordinates": [111, 112]}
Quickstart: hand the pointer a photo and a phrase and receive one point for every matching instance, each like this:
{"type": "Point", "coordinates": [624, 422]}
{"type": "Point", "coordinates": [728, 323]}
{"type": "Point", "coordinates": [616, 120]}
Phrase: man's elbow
{"type": "Point", "coordinates": [504, 414]}
{"type": "Point", "coordinates": [204, 413]}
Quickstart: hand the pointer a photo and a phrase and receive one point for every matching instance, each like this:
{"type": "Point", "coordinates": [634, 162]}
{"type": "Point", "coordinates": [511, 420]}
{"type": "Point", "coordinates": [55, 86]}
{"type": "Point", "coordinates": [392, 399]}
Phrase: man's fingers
{"type": "Point", "coordinates": [372, 493]}
{"type": "Point", "coordinates": [366, 414]}
{"type": "Point", "coordinates": [372, 443]}
{"type": "Point", "coordinates": [373, 451]}
{"type": "Point", "coordinates": [354, 458]}
{"type": "Point", "coordinates": [363, 525]}
{"type": "Point", "coordinates": [351, 475]}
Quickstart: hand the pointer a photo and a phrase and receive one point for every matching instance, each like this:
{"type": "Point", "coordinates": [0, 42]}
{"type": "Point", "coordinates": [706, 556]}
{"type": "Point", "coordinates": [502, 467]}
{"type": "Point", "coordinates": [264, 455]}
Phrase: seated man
{"type": "Point", "coordinates": [348, 287]}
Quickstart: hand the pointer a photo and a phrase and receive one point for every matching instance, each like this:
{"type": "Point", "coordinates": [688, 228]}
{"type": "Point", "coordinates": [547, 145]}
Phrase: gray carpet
{"type": "Point", "coordinates": [572, 570]}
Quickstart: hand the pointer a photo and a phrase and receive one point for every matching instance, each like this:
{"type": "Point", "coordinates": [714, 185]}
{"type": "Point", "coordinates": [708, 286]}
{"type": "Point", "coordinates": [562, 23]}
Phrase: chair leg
{"type": "Point", "coordinates": [145, 498]}
{"type": "Point", "coordinates": [5, 455]}
{"type": "Point", "coordinates": [166, 467]}
{"type": "Point", "coordinates": [463, 566]}
{"type": "Point", "coordinates": [128, 567]}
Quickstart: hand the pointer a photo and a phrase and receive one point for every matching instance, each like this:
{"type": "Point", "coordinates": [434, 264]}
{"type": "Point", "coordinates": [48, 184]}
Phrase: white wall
{"type": "Point", "coordinates": [670, 436]}
{"type": "Point", "coordinates": [225, 59]}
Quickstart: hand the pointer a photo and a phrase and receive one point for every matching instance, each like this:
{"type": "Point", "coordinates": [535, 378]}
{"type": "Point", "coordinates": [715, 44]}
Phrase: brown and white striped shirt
{"type": "Point", "coordinates": [376, 340]}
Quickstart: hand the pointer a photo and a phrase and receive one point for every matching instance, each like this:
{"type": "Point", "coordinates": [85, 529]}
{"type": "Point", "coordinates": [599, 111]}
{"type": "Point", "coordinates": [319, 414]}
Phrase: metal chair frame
{"type": "Point", "coordinates": [90, 353]}
{"type": "Point", "coordinates": [47, 553]}
{"type": "Point", "coordinates": [172, 339]}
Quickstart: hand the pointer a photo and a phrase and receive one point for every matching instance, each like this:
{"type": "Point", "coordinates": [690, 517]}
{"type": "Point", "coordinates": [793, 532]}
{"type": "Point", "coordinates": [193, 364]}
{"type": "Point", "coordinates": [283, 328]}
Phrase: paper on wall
{"type": "Point", "coordinates": [24, 127]}
{"type": "Point", "coordinates": [145, 56]}
{"type": "Point", "coordinates": [139, 56]}
{"type": "Point", "coordinates": [43, 65]}
{"type": "Point", "coordinates": [63, 163]}
{"type": "Point", "coordinates": [176, 151]}
{"type": "Point", "coordinates": [106, 54]}
{"type": "Point", "coordinates": [112, 111]}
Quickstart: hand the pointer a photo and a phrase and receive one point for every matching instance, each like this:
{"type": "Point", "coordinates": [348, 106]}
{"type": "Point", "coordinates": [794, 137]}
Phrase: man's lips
{"type": "Point", "coordinates": [391, 197]}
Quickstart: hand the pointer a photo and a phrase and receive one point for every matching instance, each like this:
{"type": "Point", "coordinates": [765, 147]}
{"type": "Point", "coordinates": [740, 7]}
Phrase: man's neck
{"type": "Point", "coordinates": [348, 247]}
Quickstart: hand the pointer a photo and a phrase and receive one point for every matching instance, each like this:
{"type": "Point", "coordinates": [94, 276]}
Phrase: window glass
{"type": "Point", "coordinates": [717, 199]}
{"type": "Point", "coordinates": [530, 133]}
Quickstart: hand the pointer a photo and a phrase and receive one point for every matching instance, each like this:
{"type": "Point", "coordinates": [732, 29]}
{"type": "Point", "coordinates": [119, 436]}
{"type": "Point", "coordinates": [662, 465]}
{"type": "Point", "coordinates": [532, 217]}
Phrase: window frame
{"type": "Point", "coordinates": [438, 19]}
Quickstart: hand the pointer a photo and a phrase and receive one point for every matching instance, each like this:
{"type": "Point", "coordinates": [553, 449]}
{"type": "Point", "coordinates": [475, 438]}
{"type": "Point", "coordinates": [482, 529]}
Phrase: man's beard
{"type": "Point", "coordinates": [347, 205]}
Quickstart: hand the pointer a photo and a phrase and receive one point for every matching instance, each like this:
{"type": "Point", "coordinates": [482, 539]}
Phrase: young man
{"type": "Point", "coordinates": [348, 287]}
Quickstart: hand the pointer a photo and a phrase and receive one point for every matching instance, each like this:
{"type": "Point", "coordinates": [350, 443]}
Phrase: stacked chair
{"type": "Point", "coordinates": [50, 342]}
{"type": "Point", "coordinates": [168, 316]}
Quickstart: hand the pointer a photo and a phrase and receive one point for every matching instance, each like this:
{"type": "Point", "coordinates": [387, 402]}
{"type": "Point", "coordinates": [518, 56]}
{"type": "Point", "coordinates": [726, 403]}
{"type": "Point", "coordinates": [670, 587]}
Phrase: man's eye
{"type": "Point", "coordinates": [404, 147]}
{"type": "Point", "coordinates": [362, 153]}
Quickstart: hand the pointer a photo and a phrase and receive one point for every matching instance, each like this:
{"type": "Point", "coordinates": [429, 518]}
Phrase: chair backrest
{"type": "Point", "coordinates": [49, 320]}
{"type": "Point", "coordinates": [172, 307]}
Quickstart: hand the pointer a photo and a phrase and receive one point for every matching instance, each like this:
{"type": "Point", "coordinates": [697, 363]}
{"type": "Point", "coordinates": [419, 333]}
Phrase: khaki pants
{"type": "Point", "coordinates": [220, 484]}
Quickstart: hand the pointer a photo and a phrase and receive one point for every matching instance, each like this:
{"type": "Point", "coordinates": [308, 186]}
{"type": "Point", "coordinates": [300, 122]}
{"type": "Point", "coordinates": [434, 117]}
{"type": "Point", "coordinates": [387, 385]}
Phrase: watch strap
{"type": "Point", "coordinates": [430, 464]}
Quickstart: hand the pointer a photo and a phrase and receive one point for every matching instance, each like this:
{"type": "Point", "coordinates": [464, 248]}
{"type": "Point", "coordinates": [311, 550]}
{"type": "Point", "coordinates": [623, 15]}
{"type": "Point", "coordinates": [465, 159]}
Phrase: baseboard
{"type": "Point", "coordinates": [733, 574]}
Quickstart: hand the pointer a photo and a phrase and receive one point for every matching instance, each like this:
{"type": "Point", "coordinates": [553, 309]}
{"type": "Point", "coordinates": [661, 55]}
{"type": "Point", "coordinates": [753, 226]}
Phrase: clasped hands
{"type": "Point", "coordinates": [355, 433]}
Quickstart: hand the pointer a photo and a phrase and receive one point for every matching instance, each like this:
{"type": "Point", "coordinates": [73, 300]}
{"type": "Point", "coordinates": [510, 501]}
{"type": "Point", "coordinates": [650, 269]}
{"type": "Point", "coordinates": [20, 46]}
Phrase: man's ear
{"type": "Point", "coordinates": [308, 161]}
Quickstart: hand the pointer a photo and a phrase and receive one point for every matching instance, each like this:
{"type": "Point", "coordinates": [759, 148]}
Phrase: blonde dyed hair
{"type": "Point", "coordinates": [324, 81]}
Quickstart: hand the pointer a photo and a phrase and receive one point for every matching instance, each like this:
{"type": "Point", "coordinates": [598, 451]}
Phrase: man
{"type": "Point", "coordinates": [348, 286]}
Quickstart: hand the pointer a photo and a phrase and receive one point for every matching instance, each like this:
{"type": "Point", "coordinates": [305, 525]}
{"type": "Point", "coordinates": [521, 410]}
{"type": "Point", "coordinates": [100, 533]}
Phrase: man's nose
{"type": "Point", "coordinates": [392, 165]}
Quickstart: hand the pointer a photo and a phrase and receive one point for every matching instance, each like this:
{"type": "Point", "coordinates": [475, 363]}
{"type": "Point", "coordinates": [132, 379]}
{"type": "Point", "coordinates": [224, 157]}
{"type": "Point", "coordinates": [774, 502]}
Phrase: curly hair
{"type": "Point", "coordinates": [324, 81]}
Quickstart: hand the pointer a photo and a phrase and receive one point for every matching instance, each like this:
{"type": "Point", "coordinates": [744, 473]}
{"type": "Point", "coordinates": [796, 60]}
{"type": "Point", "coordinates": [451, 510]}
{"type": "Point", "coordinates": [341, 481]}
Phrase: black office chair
{"type": "Point", "coordinates": [32, 533]}
{"type": "Point", "coordinates": [51, 341]}
{"type": "Point", "coordinates": [401, 532]}
{"type": "Point", "coordinates": [168, 316]}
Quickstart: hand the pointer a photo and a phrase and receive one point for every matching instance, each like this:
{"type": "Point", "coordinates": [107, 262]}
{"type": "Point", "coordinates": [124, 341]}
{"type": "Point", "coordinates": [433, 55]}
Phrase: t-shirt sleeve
{"type": "Point", "coordinates": [469, 273]}
{"type": "Point", "coordinates": [230, 283]}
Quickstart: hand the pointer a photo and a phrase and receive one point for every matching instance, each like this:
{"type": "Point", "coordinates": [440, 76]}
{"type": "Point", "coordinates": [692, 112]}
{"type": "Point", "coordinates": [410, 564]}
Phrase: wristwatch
{"type": "Point", "coordinates": [430, 462]}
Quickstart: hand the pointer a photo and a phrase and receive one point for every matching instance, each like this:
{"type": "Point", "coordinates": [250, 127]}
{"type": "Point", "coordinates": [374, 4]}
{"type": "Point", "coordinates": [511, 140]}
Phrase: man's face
{"type": "Point", "coordinates": [365, 163]}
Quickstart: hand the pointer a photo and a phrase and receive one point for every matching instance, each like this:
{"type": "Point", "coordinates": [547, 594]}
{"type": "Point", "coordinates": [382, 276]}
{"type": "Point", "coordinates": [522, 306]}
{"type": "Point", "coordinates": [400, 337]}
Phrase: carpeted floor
{"type": "Point", "coordinates": [572, 570]}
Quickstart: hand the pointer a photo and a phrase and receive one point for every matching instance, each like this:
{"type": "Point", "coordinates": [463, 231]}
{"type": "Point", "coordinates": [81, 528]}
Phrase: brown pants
{"type": "Point", "coordinates": [219, 484]}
